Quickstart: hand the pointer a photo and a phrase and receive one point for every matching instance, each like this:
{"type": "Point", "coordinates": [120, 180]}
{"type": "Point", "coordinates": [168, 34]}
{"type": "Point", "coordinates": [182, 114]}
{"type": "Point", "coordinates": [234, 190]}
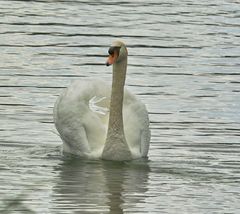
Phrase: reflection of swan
{"type": "Point", "coordinates": [79, 185]}
{"type": "Point", "coordinates": [89, 130]}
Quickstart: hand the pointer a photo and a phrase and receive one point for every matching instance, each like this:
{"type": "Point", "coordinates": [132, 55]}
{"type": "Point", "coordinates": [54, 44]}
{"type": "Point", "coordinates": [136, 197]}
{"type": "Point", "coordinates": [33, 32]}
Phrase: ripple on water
{"type": "Point", "coordinates": [183, 63]}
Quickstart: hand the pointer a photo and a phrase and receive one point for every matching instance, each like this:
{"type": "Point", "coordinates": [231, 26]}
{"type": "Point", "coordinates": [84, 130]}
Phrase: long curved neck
{"type": "Point", "coordinates": [116, 105]}
{"type": "Point", "coordinates": [116, 147]}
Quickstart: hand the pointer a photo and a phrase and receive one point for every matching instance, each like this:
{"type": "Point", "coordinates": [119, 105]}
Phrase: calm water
{"type": "Point", "coordinates": [184, 64]}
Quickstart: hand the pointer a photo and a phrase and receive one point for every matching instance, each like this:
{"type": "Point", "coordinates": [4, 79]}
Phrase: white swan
{"type": "Point", "coordinates": [86, 126]}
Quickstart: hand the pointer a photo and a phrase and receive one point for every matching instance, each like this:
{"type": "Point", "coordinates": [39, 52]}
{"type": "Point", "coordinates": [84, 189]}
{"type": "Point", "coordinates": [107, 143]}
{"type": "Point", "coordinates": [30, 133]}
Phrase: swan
{"type": "Point", "coordinates": [97, 121]}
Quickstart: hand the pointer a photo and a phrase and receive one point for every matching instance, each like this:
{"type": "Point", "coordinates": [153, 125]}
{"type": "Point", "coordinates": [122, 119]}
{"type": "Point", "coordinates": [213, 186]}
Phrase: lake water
{"type": "Point", "coordinates": [184, 63]}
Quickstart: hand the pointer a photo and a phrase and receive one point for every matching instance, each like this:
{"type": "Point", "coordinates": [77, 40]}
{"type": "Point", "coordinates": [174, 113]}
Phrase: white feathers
{"type": "Point", "coordinates": [81, 118]}
{"type": "Point", "coordinates": [96, 108]}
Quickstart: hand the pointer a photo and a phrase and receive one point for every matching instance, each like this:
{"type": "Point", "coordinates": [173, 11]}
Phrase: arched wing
{"type": "Point", "coordinates": [136, 125]}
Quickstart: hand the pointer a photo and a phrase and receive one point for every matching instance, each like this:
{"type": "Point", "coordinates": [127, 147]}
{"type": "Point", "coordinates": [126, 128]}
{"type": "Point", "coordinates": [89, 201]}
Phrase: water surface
{"type": "Point", "coordinates": [183, 63]}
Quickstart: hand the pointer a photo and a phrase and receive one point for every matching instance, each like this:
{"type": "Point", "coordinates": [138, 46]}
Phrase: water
{"type": "Point", "coordinates": [183, 63]}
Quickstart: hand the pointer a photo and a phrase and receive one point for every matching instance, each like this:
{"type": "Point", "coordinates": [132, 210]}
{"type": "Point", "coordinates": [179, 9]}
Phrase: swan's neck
{"type": "Point", "coordinates": [116, 147]}
{"type": "Point", "coordinates": [116, 105]}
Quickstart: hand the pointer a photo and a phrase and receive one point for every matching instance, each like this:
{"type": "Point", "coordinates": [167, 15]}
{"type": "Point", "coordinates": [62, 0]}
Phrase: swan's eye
{"type": "Point", "coordinates": [113, 55]}
{"type": "Point", "coordinates": [113, 49]}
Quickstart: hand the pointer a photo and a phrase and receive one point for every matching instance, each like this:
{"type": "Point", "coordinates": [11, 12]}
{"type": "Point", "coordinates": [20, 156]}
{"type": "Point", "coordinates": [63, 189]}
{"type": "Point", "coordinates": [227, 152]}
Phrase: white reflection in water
{"type": "Point", "coordinates": [100, 186]}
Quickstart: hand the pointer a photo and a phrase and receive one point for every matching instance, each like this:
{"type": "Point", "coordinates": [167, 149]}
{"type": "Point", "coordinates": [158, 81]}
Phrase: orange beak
{"type": "Point", "coordinates": [111, 58]}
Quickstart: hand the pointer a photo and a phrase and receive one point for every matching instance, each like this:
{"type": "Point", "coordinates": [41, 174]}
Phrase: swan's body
{"type": "Point", "coordinates": [90, 130]}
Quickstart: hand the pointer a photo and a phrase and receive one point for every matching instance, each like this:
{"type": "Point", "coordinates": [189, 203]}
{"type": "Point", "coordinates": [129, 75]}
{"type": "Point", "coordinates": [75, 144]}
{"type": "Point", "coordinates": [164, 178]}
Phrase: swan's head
{"type": "Point", "coordinates": [117, 53]}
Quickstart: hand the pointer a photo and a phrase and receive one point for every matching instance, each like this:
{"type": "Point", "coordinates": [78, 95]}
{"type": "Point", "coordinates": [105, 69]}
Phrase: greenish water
{"type": "Point", "coordinates": [183, 63]}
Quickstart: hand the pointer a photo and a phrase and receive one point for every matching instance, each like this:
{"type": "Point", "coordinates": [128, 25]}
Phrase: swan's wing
{"type": "Point", "coordinates": [136, 125]}
{"type": "Point", "coordinates": [81, 128]}
{"type": "Point", "coordinates": [70, 127]}
{"type": "Point", "coordinates": [145, 138]}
